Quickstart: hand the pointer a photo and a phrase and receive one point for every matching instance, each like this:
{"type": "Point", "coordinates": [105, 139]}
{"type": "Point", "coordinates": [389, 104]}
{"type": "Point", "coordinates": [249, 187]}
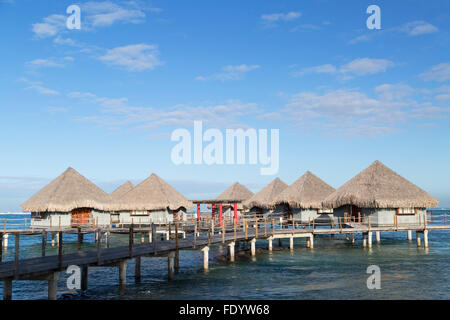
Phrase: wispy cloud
{"type": "Point", "coordinates": [95, 15]}
{"type": "Point", "coordinates": [412, 29]}
{"type": "Point", "coordinates": [230, 72]}
{"type": "Point", "coordinates": [417, 28]}
{"type": "Point", "coordinates": [440, 73]}
{"type": "Point", "coordinates": [117, 113]}
{"type": "Point", "coordinates": [49, 62]}
{"type": "Point", "coordinates": [38, 87]}
{"type": "Point", "coordinates": [357, 67]}
{"type": "Point", "coordinates": [136, 57]}
{"type": "Point", "coordinates": [271, 20]}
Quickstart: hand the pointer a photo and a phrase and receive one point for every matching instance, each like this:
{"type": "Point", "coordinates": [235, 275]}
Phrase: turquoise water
{"type": "Point", "coordinates": [334, 269]}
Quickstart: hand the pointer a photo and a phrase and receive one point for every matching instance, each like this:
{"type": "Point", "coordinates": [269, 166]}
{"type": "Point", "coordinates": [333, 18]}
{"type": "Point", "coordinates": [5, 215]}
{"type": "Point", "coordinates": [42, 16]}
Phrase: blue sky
{"type": "Point", "coordinates": [104, 99]}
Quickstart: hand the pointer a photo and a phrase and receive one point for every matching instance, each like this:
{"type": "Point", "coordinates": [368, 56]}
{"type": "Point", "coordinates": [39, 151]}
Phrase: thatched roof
{"type": "Point", "coordinates": [264, 198]}
{"type": "Point", "coordinates": [236, 192]}
{"type": "Point", "coordinates": [120, 191]}
{"type": "Point", "coordinates": [380, 187]}
{"type": "Point", "coordinates": [307, 192]}
{"type": "Point", "coordinates": [67, 192]}
{"type": "Point", "coordinates": [152, 194]}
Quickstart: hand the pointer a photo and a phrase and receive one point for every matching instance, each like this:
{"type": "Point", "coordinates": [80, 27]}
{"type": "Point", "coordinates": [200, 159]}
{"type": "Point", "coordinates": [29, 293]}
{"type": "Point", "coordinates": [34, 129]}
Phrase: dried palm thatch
{"type": "Point", "coordinates": [67, 192]}
{"type": "Point", "coordinates": [264, 198]}
{"type": "Point", "coordinates": [121, 191]}
{"type": "Point", "coordinates": [236, 192]}
{"type": "Point", "coordinates": [152, 194]}
{"type": "Point", "coordinates": [380, 187]}
{"type": "Point", "coordinates": [307, 192]}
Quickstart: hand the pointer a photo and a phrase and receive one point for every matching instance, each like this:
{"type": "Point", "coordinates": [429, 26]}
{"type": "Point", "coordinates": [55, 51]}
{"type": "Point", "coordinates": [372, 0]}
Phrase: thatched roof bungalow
{"type": "Point", "coordinates": [153, 200]}
{"type": "Point", "coordinates": [262, 202]}
{"type": "Point", "coordinates": [302, 200]}
{"type": "Point", "coordinates": [381, 194]}
{"type": "Point", "coordinates": [236, 192]}
{"type": "Point", "coordinates": [121, 190]}
{"type": "Point", "coordinates": [70, 199]}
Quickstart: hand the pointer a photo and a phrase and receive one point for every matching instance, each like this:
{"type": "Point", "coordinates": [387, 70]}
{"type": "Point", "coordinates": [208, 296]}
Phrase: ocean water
{"type": "Point", "coordinates": [334, 269]}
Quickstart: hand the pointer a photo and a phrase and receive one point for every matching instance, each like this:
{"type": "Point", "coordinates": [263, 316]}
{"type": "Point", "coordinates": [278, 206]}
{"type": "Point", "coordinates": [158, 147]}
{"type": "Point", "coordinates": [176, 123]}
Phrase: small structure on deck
{"type": "Point", "coordinates": [383, 195]}
{"type": "Point", "coordinates": [152, 201]}
{"type": "Point", "coordinates": [262, 202]}
{"type": "Point", "coordinates": [238, 193]}
{"type": "Point", "coordinates": [302, 200]}
{"type": "Point", "coordinates": [69, 200]}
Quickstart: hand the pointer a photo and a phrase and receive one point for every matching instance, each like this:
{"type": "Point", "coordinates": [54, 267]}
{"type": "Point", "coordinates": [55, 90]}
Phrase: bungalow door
{"type": "Point", "coordinates": [81, 216]}
{"type": "Point", "coordinates": [355, 212]}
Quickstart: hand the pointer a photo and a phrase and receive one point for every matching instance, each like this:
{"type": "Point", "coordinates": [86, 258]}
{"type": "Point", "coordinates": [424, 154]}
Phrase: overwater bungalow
{"type": "Point", "coordinates": [69, 200]}
{"type": "Point", "coordinates": [381, 194]}
{"type": "Point", "coordinates": [302, 200]}
{"type": "Point", "coordinates": [236, 192]}
{"type": "Point", "coordinates": [116, 195]}
{"type": "Point", "coordinates": [262, 202]}
{"type": "Point", "coordinates": [153, 200]}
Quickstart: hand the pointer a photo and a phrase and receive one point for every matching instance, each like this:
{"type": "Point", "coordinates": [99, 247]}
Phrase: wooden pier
{"type": "Point", "coordinates": [198, 235]}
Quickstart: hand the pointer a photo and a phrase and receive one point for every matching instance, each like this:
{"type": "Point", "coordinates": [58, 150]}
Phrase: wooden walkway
{"type": "Point", "coordinates": [48, 267]}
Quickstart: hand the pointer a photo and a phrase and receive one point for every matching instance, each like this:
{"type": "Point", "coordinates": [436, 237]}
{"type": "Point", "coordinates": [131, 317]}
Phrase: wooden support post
{"type": "Point", "coordinates": [84, 278]}
{"type": "Point", "coordinates": [5, 241]}
{"type": "Point", "coordinates": [270, 243]}
{"type": "Point", "coordinates": [60, 249]}
{"type": "Point", "coordinates": [311, 241]}
{"type": "Point", "coordinates": [137, 270]}
{"type": "Point", "coordinates": [308, 242]}
{"type": "Point", "coordinates": [177, 261]}
{"type": "Point", "coordinates": [223, 233]}
{"type": "Point", "coordinates": [265, 227]}
{"type": "Point", "coordinates": [107, 236]}
{"type": "Point", "coordinates": [53, 239]}
{"type": "Point", "coordinates": [122, 276]}
{"type": "Point", "coordinates": [291, 243]}
{"type": "Point", "coordinates": [280, 243]}
{"type": "Point", "coordinates": [195, 236]}
{"type": "Point", "coordinates": [273, 227]}
{"type": "Point", "coordinates": [16, 256]}
{"type": "Point", "coordinates": [253, 247]}
{"type": "Point", "coordinates": [205, 257]}
{"type": "Point", "coordinates": [364, 239]}
{"type": "Point", "coordinates": [154, 239]}
{"type": "Point", "coordinates": [53, 286]}
{"type": "Point", "coordinates": [170, 266]}
{"type": "Point", "coordinates": [99, 246]}
{"type": "Point", "coordinates": [1, 246]}
{"type": "Point", "coordinates": [231, 250]}
{"type": "Point", "coordinates": [234, 230]}
{"type": "Point", "coordinates": [418, 238]}
{"type": "Point", "coordinates": [369, 242]}
{"type": "Point", "coordinates": [130, 242]}
{"type": "Point", "coordinates": [425, 238]}
{"type": "Point", "coordinates": [7, 289]}
{"type": "Point", "coordinates": [409, 234]}
{"type": "Point", "coordinates": [378, 236]}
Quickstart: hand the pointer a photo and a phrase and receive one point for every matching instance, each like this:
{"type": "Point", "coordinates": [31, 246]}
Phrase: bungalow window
{"type": "Point", "coordinates": [406, 211]}
{"type": "Point", "coordinates": [139, 212]}
{"type": "Point", "coordinates": [37, 215]}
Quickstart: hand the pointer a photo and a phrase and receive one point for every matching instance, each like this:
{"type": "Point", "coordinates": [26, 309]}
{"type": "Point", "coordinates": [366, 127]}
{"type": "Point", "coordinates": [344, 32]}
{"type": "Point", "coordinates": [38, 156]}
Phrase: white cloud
{"type": "Point", "coordinates": [353, 113]}
{"type": "Point", "coordinates": [440, 72]}
{"type": "Point", "coordinates": [94, 15]}
{"type": "Point", "coordinates": [230, 72]}
{"type": "Point", "coordinates": [49, 62]}
{"type": "Point", "coordinates": [416, 28]}
{"type": "Point", "coordinates": [136, 57]}
{"type": "Point", "coordinates": [38, 87]}
{"type": "Point", "coordinates": [50, 26]}
{"type": "Point", "coordinates": [55, 110]}
{"type": "Point", "coordinates": [273, 17]}
{"type": "Point", "coordinates": [117, 113]}
{"type": "Point", "coordinates": [103, 14]}
{"type": "Point", "coordinates": [392, 92]}
{"type": "Point", "coordinates": [357, 67]}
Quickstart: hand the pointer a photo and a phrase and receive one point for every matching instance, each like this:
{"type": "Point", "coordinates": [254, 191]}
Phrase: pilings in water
{"type": "Point", "coordinates": [84, 278]}
{"type": "Point", "coordinates": [369, 238]}
{"type": "Point", "coordinates": [425, 238]}
{"type": "Point", "coordinates": [409, 235]}
{"type": "Point", "coordinates": [205, 258]}
{"type": "Point", "coordinates": [231, 250]}
{"type": "Point", "coordinates": [378, 236]}
{"type": "Point", "coordinates": [53, 285]}
{"type": "Point", "coordinates": [5, 241]}
{"type": "Point", "coordinates": [170, 266]}
{"type": "Point", "coordinates": [418, 238]}
{"type": "Point", "coordinates": [122, 275]}
{"type": "Point", "coordinates": [137, 270]}
{"type": "Point", "coordinates": [7, 289]}
{"type": "Point", "coordinates": [270, 239]}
